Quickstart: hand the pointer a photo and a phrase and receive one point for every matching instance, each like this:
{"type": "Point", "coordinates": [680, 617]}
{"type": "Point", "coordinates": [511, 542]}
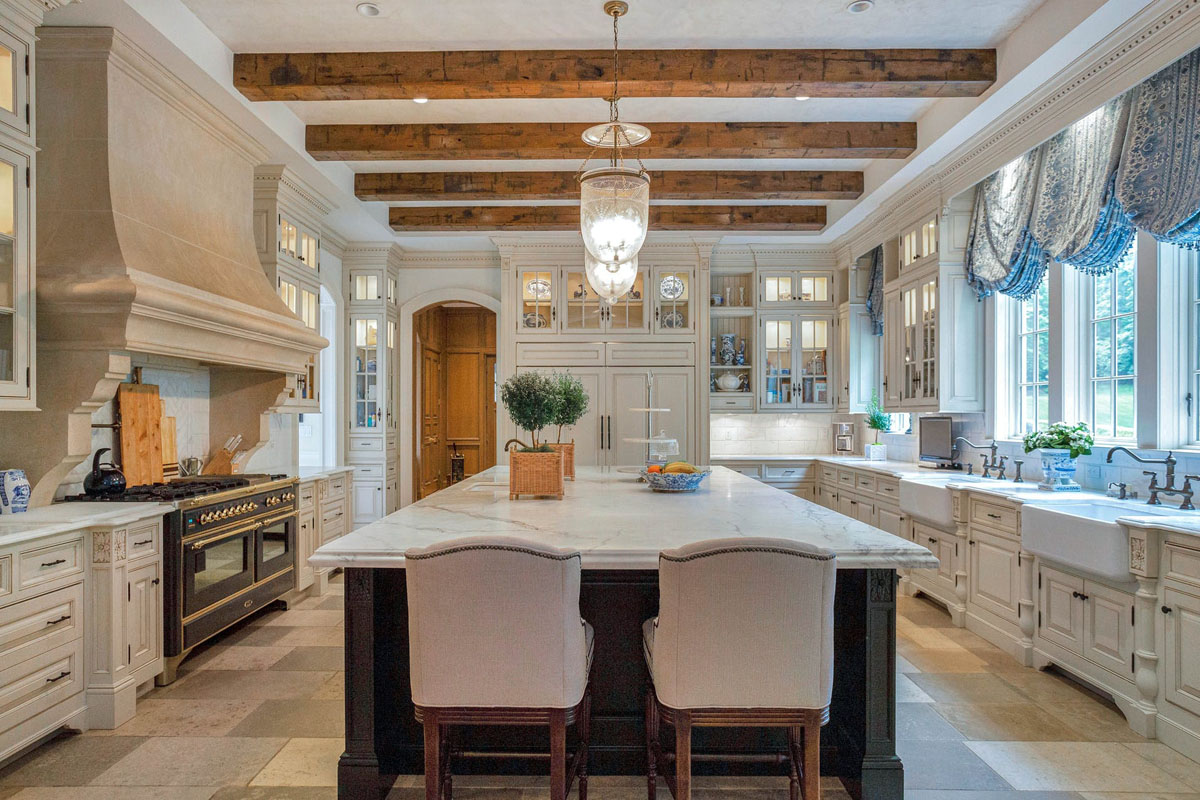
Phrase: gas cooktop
{"type": "Point", "coordinates": [180, 489]}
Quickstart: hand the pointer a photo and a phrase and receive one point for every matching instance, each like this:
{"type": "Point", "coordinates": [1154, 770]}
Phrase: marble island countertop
{"type": "Point", "coordinates": [618, 523]}
{"type": "Point", "coordinates": [317, 473]}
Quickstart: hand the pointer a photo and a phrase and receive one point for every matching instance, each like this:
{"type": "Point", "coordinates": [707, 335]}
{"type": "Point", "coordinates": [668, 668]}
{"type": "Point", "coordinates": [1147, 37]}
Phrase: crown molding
{"type": "Point", "coordinates": [272, 179]}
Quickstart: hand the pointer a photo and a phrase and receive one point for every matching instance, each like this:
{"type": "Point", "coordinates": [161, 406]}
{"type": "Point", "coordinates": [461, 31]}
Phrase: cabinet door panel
{"type": "Point", "coordinates": [995, 582]}
{"type": "Point", "coordinates": [368, 501]}
{"type": "Point", "coordinates": [889, 519]}
{"type": "Point", "coordinates": [1061, 609]}
{"type": "Point", "coordinates": [666, 387]}
{"type": "Point", "coordinates": [865, 512]}
{"type": "Point", "coordinates": [1108, 628]}
{"type": "Point", "coordinates": [537, 312]}
{"type": "Point", "coordinates": [144, 615]}
{"type": "Point", "coordinates": [586, 432]}
{"type": "Point", "coordinates": [674, 309]}
{"type": "Point", "coordinates": [847, 504]}
{"type": "Point", "coordinates": [1182, 650]}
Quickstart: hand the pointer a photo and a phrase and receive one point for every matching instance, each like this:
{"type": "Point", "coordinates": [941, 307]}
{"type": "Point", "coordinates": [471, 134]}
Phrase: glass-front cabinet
{"type": "Point", "coordinates": [14, 82]}
{"type": "Point", "coordinates": [919, 341]}
{"type": "Point", "coordinates": [674, 311]}
{"type": "Point", "coordinates": [795, 289]}
{"type": "Point", "coordinates": [16, 296]}
{"type": "Point", "coordinates": [366, 386]}
{"type": "Point", "coordinates": [536, 290]}
{"type": "Point", "coordinates": [796, 362]}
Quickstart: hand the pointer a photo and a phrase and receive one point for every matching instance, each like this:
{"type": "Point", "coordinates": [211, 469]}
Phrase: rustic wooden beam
{"type": "Point", "coordinates": [466, 75]}
{"type": "Point", "coordinates": [459, 219]}
{"type": "Point", "coordinates": [666, 185]}
{"type": "Point", "coordinates": [558, 140]}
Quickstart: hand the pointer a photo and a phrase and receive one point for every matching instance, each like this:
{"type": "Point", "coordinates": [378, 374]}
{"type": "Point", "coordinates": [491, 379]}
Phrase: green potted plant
{"type": "Point", "coordinates": [878, 421]}
{"type": "Point", "coordinates": [572, 402]}
{"type": "Point", "coordinates": [1059, 445]}
{"type": "Point", "coordinates": [531, 400]}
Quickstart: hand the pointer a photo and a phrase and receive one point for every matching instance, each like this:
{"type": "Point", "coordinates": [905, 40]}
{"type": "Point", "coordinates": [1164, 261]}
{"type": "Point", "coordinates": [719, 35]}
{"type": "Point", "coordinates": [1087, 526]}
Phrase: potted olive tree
{"type": "Point", "coordinates": [572, 400]}
{"type": "Point", "coordinates": [531, 400]}
{"type": "Point", "coordinates": [880, 422]}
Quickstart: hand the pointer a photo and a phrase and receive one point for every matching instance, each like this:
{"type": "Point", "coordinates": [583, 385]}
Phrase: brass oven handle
{"type": "Point", "coordinates": [203, 543]}
{"type": "Point", "coordinates": [266, 522]}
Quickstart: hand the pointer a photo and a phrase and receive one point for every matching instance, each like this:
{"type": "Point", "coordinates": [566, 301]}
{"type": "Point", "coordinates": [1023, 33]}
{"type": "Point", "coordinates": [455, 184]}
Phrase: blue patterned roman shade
{"type": "Point", "coordinates": [875, 291]}
{"type": "Point", "coordinates": [1158, 181]}
{"type": "Point", "coordinates": [1002, 255]}
{"type": "Point", "coordinates": [1076, 220]}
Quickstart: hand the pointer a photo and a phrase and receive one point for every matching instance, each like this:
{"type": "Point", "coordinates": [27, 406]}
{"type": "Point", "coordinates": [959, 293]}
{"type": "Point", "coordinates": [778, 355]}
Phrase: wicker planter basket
{"type": "Point", "coordinates": [568, 453]}
{"type": "Point", "coordinates": [537, 474]}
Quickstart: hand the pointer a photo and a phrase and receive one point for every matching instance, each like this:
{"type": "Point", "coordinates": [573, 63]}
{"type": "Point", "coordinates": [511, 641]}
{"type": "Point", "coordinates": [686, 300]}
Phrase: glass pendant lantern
{"type": "Point", "coordinates": [614, 200]}
{"type": "Point", "coordinates": [610, 281]}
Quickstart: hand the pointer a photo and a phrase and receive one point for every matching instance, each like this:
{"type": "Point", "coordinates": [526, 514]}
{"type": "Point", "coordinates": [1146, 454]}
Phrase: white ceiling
{"type": "Point", "coordinates": [327, 25]}
{"type": "Point", "coordinates": [334, 25]}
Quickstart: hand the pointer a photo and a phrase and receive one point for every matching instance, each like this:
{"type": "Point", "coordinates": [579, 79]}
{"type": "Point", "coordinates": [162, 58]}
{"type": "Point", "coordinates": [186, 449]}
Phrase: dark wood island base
{"type": "Point", "coordinates": [384, 740]}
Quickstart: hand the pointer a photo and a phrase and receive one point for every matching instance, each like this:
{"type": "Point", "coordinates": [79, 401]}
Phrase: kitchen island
{"type": "Point", "coordinates": [619, 526]}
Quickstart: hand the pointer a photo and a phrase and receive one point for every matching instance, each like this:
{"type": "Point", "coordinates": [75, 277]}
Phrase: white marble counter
{"type": "Point", "coordinates": [618, 523]}
{"type": "Point", "coordinates": [317, 473]}
{"type": "Point", "coordinates": [62, 517]}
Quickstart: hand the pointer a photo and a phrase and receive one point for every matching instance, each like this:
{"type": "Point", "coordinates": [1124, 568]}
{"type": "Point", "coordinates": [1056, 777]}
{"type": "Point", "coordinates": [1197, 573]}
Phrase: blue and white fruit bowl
{"type": "Point", "coordinates": [675, 481]}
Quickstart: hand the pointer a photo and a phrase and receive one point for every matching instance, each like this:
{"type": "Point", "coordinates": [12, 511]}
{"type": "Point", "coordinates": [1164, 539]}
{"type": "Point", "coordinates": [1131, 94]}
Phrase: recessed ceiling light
{"type": "Point", "coordinates": [803, 97]}
{"type": "Point", "coordinates": [422, 99]}
{"type": "Point", "coordinates": [368, 9]}
{"type": "Point", "coordinates": [860, 6]}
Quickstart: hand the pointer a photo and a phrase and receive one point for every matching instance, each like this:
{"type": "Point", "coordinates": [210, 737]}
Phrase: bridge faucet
{"type": "Point", "coordinates": [988, 464]}
{"type": "Point", "coordinates": [1155, 490]}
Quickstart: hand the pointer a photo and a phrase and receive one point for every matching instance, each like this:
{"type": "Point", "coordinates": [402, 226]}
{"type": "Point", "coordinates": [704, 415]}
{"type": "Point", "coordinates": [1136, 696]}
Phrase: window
{"type": "Point", "coordinates": [1033, 352]}
{"type": "Point", "coordinates": [1113, 338]}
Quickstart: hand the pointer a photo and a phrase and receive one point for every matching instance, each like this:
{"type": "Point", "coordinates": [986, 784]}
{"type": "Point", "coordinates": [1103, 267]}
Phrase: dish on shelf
{"type": "Point", "coordinates": [671, 287]}
{"type": "Point", "coordinates": [675, 482]}
{"type": "Point", "coordinates": [673, 320]}
{"type": "Point", "coordinates": [532, 320]}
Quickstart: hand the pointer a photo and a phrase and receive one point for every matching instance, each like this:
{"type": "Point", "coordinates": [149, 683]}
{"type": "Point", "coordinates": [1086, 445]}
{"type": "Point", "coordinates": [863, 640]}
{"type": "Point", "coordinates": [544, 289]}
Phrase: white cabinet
{"type": "Point", "coordinates": [143, 617]}
{"type": "Point", "coordinates": [1181, 650]}
{"type": "Point", "coordinates": [1088, 619]}
{"type": "Point", "coordinates": [673, 290]}
{"type": "Point", "coordinates": [995, 575]}
{"type": "Point", "coordinates": [559, 300]}
{"type": "Point", "coordinates": [889, 519]}
{"type": "Point", "coordinates": [368, 497]}
{"type": "Point", "coordinates": [16, 280]}
{"type": "Point", "coordinates": [858, 359]}
{"type": "Point", "coordinates": [323, 517]}
{"type": "Point", "coordinates": [796, 357]}
{"type": "Point", "coordinates": [795, 289]}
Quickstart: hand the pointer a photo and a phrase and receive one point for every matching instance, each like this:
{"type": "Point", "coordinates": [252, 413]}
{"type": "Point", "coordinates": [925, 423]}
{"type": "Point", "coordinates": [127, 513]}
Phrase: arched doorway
{"type": "Point", "coordinates": [447, 377]}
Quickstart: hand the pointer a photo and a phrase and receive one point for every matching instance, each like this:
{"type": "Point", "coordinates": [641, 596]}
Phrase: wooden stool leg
{"type": "Point", "coordinates": [651, 743]}
{"type": "Point", "coordinates": [433, 753]}
{"type": "Point", "coordinates": [793, 733]}
{"type": "Point", "coordinates": [558, 754]}
{"type": "Point", "coordinates": [812, 762]}
{"type": "Point", "coordinates": [447, 758]}
{"type": "Point", "coordinates": [585, 738]}
{"type": "Point", "coordinates": [683, 755]}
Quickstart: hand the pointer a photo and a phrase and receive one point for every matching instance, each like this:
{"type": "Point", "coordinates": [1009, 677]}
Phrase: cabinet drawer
{"type": "Point", "coordinates": [993, 515]}
{"type": "Point", "coordinates": [846, 478]}
{"type": "Point", "coordinates": [308, 495]}
{"type": "Point", "coordinates": [749, 470]}
{"type": "Point", "coordinates": [38, 683]}
{"type": "Point", "coordinates": [560, 354]}
{"type": "Point", "coordinates": [333, 521]}
{"type": "Point", "coordinates": [865, 483]}
{"type": "Point", "coordinates": [391, 469]}
{"type": "Point", "coordinates": [40, 565]}
{"type": "Point", "coordinates": [732, 401]}
{"type": "Point", "coordinates": [366, 444]}
{"type": "Point", "coordinates": [1182, 563]}
{"type": "Point", "coordinates": [828, 474]}
{"type": "Point", "coordinates": [41, 623]}
{"type": "Point", "coordinates": [145, 540]}
{"type": "Point", "coordinates": [888, 487]}
{"type": "Point", "coordinates": [788, 472]}
{"type": "Point", "coordinates": [643, 354]}
{"type": "Point", "coordinates": [371, 472]}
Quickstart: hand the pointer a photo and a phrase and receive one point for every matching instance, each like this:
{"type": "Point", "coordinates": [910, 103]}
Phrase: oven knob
{"type": "Point", "coordinates": [204, 518]}
{"type": "Point", "coordinates": [225, 512]}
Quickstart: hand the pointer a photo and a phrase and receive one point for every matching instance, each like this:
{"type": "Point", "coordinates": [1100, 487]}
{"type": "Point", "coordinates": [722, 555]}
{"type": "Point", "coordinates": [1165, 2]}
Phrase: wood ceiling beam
{"type": "Point", "coordinates": [467, 75]}
{"type": "Point", "coordinates": [461, 219]}
{"type": "Point", "coordinates": [665, 184]}
{"type": "Point", "coordinates": [557, 140]}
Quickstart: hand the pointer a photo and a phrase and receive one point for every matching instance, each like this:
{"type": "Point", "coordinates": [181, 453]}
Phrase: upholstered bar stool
{"type": "Point", "coordinates": [495, 638]}
{"type": "Point", "coordinates": [743, 638]}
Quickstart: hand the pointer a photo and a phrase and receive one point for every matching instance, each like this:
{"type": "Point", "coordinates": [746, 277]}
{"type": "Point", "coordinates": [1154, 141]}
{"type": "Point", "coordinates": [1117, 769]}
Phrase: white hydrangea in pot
{"type": "Point", "coordinates": [1058, 446]}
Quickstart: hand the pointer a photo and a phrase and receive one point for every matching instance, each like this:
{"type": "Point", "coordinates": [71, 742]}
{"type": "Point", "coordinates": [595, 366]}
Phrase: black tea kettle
{"type": "Point", "coordinates": [105, 480]}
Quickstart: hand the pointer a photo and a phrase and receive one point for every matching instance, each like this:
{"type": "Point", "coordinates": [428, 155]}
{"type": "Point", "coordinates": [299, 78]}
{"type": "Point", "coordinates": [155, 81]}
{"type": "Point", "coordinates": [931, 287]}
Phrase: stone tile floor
{"type": "Point", "coordinates": [258, 715]}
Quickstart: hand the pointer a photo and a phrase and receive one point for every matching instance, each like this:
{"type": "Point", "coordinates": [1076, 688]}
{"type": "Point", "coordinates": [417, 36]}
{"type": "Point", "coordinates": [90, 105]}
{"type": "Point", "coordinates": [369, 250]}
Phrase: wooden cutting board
{"type": "Point", "coordinates": [170, 452]}
{"type": "Point", "coordinates": [141, 433]}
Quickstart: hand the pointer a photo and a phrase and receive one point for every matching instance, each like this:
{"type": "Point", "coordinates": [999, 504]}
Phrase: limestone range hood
{"type": "Point", "coordinates": [145, 245]}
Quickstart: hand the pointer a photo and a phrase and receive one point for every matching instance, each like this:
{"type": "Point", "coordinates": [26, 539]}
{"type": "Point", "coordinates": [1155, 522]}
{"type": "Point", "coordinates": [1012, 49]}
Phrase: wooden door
{"type": "Point", "coordinates": [431, 456]}
{"type": "Point", "coordinates": [487, 455]}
